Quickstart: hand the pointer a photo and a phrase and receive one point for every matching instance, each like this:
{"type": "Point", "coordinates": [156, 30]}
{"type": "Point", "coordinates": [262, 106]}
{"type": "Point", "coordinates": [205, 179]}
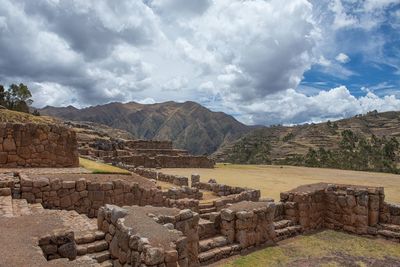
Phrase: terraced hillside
{"type": "Point", "coordinates": [271, 144]}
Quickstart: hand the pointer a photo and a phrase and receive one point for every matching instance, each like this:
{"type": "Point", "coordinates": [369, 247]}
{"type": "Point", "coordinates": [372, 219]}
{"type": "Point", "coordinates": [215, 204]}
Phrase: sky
{"type": "Point", "coordinates": [263, 61]}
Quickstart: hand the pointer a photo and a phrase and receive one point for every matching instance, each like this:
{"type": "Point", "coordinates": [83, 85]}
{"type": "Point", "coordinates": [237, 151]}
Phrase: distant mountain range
{"type": "Point", "coordinates": [189, 125]}
{"type": "Point", "coordinates": [195, 128]}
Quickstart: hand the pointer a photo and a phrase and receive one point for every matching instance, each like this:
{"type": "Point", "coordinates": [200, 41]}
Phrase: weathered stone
{"type": "Point", "coordinates": [68, 250]}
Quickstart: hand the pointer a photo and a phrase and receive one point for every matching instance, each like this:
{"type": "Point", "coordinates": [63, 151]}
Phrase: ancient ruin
{"type": "Point", "coordinates": [145, 153]}
{"type": "Point", "coordinates": [70, 217]}
{"type": "Point", "coordinates": [37, 145]}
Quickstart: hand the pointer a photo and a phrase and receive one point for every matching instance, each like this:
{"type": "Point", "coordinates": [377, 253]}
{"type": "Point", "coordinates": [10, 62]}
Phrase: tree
{"type": "Point", "coordinates": [16, 97]}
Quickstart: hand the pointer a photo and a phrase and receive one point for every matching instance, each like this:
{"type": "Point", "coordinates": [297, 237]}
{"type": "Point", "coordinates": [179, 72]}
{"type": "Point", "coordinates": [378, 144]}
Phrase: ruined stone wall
{"type": "Point", "coordinates": [37, 145]}
{"type": "Point", "coordinates": [219, 189]}
{"type": "Point", "coordinates": [389, 213]}
{"type": "Point", "coordinates": [355, 209]}
{"type": "Point", "coordinates": [248, 226]}
{"type": "Point", "coordinates": [307, 209]}
{"type": "Point", "coordinates": [87, 196]}
{"type": "Point", "coordinates": [148, 144]}
{"type": "Point", "coordinates": [130, 246]}
{"type": "Point", "coordinates": [164, 161]}
{"type": "Point", "coordinates": [183, 192]}
{"type": "Point", "coordinates": [173, 179]}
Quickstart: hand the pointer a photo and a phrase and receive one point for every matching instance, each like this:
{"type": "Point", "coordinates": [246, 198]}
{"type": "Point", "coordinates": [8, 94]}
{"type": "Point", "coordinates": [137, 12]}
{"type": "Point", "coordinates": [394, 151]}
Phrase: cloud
{"type": "Point", "coordinates": [342, 58]}
{"type": "Point", "coordinates": [239, 55]}
{"type": "Point", "coordinates": [291, 107]}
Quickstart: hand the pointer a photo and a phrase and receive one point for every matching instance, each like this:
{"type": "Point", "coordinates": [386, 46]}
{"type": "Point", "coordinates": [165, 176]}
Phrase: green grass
{"type": "Point", "coordinates": [100, 168]}
{"type": "Point", "coordinates": [321, 249]}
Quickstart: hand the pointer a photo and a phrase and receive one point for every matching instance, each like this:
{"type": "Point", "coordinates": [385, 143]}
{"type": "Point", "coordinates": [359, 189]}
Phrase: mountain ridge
{"type": "Point", "coordinates": [189, 125]}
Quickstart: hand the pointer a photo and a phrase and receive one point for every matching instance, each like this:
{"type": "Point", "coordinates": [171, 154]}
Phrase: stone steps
{"type": "Point", "coordinates": [219, 253]}
{"type": "Point", "coordinates": [92, 247]}
{"type": "Point", "coordinates": [86, 237]}
{"type": "Point", "coordinates": [206, 229]}
{"type": "Point", "coordinates": [212, 242]}
{"type": "Point", "coordinates": [389, 234]}
{"type": "Point", "coordinates": [283, 224]}
{"type": "Point", "coordinates": [101, 257]}
{"type": "Point", "coordinates": [390, 227]}
{"type": "Point", "coordinates": [287, 232]}
{"type": "Point", "coordinates": [207, 210]}
{"type": "Point", "coordinates": [206, 205]}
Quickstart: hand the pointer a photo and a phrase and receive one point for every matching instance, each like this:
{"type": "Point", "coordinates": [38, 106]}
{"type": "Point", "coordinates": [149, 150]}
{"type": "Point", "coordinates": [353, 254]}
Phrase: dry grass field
{"type": "Point", "coordinates": [273, 179]}
{"type": "Point", "coordinates": [326, 248]}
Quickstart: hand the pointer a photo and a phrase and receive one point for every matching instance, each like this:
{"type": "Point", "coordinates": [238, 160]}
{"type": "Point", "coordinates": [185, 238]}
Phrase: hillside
{"type": "Point", "coordinates": [274, 144]}
{"type": "Point", "coordinates": [20, 117]}
{"type": "Point", "coordinates": [189, 125]}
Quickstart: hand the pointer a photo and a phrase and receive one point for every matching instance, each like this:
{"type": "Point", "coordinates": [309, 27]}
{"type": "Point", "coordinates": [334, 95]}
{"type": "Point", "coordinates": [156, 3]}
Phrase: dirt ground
{"type": "Point", "coordinates": [273, 179]}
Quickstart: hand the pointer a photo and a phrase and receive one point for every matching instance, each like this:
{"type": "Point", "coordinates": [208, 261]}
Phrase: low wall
{"type": "Point", "coordinates": [131, 244]}
{"type": "Point", "coordinates": [148, 144]}
{"type": "Point", "coordinates": [183, 192]}
{"type": "Point", "coordinates": [152, 174]}
{"type": "Point", "coordinates": [37, 145]}
{"type": "Point", "coordinates": [354, 209]}
{"type": "Point", "coordinates": [219, 189]}
{"type": "Point", "coordinates": [248, 223]}
{"type": "Point", "coordinates": [164, 161]}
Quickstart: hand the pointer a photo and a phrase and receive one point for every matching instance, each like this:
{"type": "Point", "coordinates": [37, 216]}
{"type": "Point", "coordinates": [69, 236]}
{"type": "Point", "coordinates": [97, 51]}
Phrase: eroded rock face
{"type": "Point", "coordinates": [37, 145]}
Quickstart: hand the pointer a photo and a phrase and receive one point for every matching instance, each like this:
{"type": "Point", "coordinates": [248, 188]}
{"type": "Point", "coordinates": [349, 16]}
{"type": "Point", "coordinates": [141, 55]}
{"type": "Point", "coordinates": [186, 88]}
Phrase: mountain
{"type": "Point", "coordinates": [189, 125]}
{"type": "Point", "coordinates": [292, 145]}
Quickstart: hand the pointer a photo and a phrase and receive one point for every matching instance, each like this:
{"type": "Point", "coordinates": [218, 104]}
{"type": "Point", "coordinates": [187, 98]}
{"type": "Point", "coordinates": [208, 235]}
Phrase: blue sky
{"type": "Point", "coordinates": [262, 61]}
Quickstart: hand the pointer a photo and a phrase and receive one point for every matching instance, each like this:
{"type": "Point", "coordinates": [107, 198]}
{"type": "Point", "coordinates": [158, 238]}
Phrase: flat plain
{"type": "Point", "coordinates": [273, 179]}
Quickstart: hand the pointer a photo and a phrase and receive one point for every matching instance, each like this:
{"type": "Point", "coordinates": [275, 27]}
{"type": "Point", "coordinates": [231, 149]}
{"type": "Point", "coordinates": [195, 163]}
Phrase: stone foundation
{"type": "Point", "coordinates": [37, 145]}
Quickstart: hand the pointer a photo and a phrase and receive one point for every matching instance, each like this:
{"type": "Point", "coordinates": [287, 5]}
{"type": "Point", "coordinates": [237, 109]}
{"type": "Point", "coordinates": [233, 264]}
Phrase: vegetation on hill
{"type": "Point", "coordinates": [355, 152]}
{"type": "Point", "coordinates": [364, 142]}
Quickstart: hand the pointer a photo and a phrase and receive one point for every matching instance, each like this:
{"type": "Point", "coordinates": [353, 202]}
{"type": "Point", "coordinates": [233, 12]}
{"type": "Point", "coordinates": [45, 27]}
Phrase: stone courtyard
{"type": "Point", "coordinates": [71, 217]}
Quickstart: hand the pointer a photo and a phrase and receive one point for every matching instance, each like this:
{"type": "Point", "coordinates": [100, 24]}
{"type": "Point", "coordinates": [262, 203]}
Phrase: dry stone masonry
{"type": "Point", "coordinates": [146, 153]}
{"type": "Point", "coordinates": [37, 145]}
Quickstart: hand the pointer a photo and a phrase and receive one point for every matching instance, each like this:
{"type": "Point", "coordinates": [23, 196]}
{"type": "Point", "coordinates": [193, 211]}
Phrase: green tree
{"type": "Point", "coordinates": [16, 97]}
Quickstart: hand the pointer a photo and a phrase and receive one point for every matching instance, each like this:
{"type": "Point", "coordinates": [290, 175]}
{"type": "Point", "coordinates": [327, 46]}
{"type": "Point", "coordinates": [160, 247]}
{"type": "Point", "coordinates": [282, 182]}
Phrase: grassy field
{"type": "Point", "coordinates": [327, 248]}
{"type": "Point", "coordinates": [97, 167]}
{"type": "Point", "coordinates": [272, 179]}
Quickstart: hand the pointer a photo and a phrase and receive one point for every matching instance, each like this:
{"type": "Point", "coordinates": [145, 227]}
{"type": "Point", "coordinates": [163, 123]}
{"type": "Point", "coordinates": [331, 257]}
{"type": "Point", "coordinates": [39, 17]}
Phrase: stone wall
{"type": "Point", "coordinates": [389, 213]}
{"type": "Point", "coordinates": [169, 178]}
{"type": "Point", "coordinates": [173, 179]}
{"type": "Point", "coordinates": [37, 145]}
{"type": "Point", "coordinates": [355, 209]}
{"type": "Point", "coordinates": [129, 243]}
{"type": "Point", "coordinates": [59, 245]}
{"type": "Point", "coordinates": [249, 223]}
{"type": "Point", "coordinates": [183, 192]}
{"type": "Point", "coordinates": [219, 189]}
{"type": "Point", "coordinates": [164, 161]}
{"type": "Point", "coordinates": [148, 144]}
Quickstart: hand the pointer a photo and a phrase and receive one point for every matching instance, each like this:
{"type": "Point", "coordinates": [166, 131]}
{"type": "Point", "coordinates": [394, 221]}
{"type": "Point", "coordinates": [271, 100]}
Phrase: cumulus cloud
{"type": "Point", "coordinates": [234, 54]}
{"type": "Point", "coordinates": [342, 58]}
{"type": "Point", "coordinates": [291, 106]}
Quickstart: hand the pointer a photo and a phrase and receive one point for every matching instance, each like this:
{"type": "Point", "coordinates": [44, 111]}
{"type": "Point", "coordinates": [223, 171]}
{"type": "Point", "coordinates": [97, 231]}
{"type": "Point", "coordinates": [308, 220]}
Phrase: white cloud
{"type": "Point", "coordinates": [293, 107]}
{"type": "Point", "coordinates": [248, 55]}
{"type": "Point", "coordinates": [342, 58]}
